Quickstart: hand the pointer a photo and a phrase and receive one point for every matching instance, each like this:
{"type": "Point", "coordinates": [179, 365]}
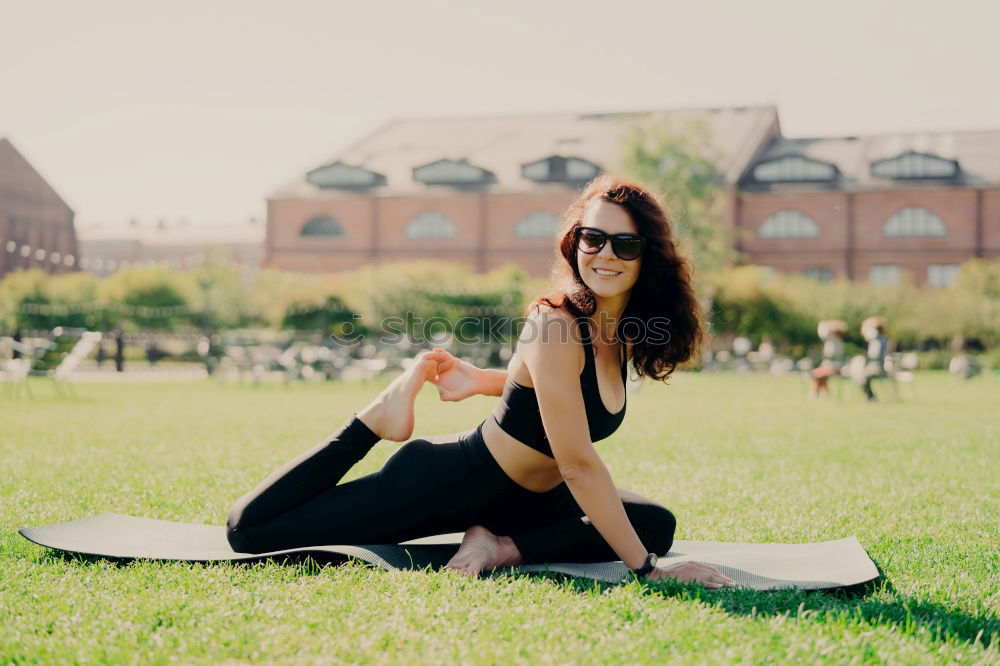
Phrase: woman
{"type": "Point", "coordinates": [526, 485]}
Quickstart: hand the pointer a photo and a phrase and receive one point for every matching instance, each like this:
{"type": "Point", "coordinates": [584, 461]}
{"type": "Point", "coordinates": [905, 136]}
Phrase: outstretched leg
{"type": "Point", "coordinates": [389, 416]}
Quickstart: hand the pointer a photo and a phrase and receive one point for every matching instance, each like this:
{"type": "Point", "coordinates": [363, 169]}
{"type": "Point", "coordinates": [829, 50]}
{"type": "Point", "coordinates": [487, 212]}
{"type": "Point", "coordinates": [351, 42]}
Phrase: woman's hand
{"type": "Point", "coordinates": [457, 379]}
{"type": "Point", "coordinates": [695, 572]}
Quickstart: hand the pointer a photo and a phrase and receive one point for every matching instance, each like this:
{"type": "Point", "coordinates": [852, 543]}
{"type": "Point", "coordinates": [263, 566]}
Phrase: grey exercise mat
{"type": "Point", "coordinates": [824, 565]}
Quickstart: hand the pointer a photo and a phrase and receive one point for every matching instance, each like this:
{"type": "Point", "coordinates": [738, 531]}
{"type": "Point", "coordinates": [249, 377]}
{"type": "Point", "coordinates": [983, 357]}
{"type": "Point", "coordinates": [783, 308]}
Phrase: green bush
{"type": "Point", "coordinates": [147, 298]}
{"type": "Point", "coordinates": [34, 300]}
{"type": "Point", "coordinates": [421, 298]}
{"type": "Point", "coordinates": [330, 317]}
{"type": "Point", "coordinates": [787, 308]}
{"type": "Point", "coordinates": [934, 359]}
{"type": "Point", "coordinates": [743, 303]}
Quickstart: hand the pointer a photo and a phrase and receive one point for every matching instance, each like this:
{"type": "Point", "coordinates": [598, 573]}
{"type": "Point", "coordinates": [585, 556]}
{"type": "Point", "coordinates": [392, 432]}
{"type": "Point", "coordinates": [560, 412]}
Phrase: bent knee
{"type": "Point", "coordinates": [659, 525]}
{"type": "Point", "coordinates": [238, 532]}
{"type": "Point", "coordinates": [410, 461]}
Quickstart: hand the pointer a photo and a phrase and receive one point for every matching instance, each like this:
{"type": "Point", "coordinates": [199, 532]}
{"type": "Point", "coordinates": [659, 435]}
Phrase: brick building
{"type": "Point", "coordinates": [488, 191]}
{"type": "Point", "coordinates": [873, 207]}
{"type": "Point", "coordinates": [104, 250]}
{"type": "Point", "coordinates": [36, 225]}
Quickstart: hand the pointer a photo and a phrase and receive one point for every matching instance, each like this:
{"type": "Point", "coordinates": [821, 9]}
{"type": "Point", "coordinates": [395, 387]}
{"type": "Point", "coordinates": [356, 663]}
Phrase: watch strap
{"type": "Point", "coordinates": [647, 566]}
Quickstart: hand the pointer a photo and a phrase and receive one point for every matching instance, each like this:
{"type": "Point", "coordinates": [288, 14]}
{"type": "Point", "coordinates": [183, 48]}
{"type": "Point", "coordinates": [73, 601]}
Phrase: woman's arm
{"type": "Point", "coordinates": [491, 381]}
{"type": "Point", "coordinates": [458, 379]}
{"type": "Point", "coordinates": [552, 358]}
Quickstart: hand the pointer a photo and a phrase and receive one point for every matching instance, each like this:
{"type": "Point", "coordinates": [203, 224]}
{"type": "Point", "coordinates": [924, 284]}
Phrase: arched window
{"type": "Point", "coordinates": [540, 224]}
{"type": "Point", "coordinates": [322, 225]}
{"type": "Point", "coordinates": [788, 224]}
{"type": "Point", "coordinates": [432, 224]}
{"type": "Point", "coordinates": [914, 221]}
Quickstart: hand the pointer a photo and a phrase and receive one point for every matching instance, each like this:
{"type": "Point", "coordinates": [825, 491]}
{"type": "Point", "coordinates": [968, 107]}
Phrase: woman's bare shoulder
{"type": "Point", "coordinates": [544, 313]}
{"type": "Point", "coordinates": [546, 323]}
{"type": "Point", "coordinates": [549, 336]}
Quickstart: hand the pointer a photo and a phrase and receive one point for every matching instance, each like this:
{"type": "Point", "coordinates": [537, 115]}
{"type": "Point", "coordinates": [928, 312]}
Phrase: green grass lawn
{"type": "Point", "coordinates": [736, 459]}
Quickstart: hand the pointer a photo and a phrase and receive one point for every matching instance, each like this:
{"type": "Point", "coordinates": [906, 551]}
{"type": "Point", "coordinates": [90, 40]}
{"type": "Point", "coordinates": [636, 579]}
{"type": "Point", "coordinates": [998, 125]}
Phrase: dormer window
{"type": "Point", "coordinates": [559, 169]}
{"type": "Point", "coordinates": [794, 169]}
{"type": "Point", "coordinates": [344, 176]}
{"type": "Point", "coordinates": [457, 173]}
{"type": "Point", "coordinates": [914, 165]}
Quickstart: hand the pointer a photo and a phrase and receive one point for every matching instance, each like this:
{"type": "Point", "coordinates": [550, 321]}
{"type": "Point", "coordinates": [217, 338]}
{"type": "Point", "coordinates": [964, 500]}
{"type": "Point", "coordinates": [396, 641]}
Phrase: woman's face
{"type": "Point", "coordinates": [611, 219]}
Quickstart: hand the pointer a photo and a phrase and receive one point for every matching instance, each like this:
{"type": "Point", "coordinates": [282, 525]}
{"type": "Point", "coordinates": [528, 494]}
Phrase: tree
{"type": "Point", "coordinates": [152, 299]}
{"type": "Point", "coordinates": [155, 305]}
{"type": "Point", "coordinates": [332, 317]}
{"type": "Point", "coordinates": [680, 165]}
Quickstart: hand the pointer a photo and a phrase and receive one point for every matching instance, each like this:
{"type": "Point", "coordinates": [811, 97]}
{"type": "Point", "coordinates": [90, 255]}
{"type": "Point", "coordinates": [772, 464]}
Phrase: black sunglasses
{"type": "Point", "coordinates": [625, 246]}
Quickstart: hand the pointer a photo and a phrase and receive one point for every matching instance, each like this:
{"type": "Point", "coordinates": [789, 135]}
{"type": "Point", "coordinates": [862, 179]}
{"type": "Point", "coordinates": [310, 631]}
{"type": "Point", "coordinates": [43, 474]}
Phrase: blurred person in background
{"type": "Point", "coordinates": [119, 335]}
{"type": "Point", "coordinates": [873, 331]}
{"type": "Point", "coordinates": [102, 356]}
{"type": "Point", "coordinates": [831, 332]}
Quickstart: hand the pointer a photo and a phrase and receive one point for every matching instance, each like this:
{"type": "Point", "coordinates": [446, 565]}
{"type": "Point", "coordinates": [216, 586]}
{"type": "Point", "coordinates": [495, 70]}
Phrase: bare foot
{"type": "Point", "coordinates": [481, 549]}
{"type": "Point", "coordinates": [390, 415]}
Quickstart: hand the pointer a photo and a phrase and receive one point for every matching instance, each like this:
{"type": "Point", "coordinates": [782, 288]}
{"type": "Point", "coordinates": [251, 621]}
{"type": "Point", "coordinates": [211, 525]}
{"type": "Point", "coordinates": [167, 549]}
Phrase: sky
{"type": "Point", "coordinates": [195, 111]}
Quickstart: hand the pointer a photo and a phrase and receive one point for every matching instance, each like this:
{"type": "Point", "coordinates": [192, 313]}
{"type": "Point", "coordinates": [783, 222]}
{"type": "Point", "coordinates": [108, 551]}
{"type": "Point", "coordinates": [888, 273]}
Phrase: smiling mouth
{"type": "Point", "coordinates": [600, 271]}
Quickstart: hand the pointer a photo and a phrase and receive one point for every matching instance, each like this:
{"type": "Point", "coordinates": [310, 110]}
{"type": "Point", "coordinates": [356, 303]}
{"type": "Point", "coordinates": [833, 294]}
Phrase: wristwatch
{"type": "Point", "coordinates": [647, 566]}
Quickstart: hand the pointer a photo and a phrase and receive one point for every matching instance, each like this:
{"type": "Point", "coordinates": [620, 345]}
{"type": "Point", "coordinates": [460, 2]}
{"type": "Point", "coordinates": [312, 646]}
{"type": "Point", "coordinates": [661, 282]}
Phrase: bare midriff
{"type": "Point", "coordinates": [528, 468]}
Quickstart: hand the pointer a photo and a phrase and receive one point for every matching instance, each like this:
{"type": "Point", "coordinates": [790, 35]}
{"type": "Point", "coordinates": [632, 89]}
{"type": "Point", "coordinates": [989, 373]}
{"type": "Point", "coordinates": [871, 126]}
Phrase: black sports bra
{"type": "Point", "coordinates": [518, 415]}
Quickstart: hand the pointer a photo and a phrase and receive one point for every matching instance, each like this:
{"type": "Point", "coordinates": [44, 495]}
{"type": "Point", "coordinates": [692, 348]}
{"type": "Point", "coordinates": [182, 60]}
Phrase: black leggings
{"type": "Point", "coordinates": [424, 489]}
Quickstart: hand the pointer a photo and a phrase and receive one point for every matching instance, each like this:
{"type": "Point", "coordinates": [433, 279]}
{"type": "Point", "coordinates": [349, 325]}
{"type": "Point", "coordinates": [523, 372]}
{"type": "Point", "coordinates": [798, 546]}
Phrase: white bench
{"type": "Point", "coordinates": [15, 371]}
{"type": "Point", "coordinates": [18, 370]}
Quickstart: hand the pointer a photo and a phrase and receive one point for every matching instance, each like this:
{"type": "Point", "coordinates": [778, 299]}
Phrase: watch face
{"type": "Point", "coordinates": [653, 560]}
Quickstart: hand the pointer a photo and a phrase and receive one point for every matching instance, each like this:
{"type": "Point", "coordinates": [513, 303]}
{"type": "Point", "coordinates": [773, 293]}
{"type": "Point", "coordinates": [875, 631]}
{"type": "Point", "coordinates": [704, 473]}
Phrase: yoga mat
{"type": "Point", "coordinates": [825, 565]}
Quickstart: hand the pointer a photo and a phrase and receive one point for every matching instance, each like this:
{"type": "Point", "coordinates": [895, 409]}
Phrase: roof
{"type": "Point", "coordinates": [19, 179]}
{"type": "Point", "coordinates": [174, 235]}
{"type": "Point", "coordinates": [501, 144]}
{"type": "Point", "coordinates": [977, 154]}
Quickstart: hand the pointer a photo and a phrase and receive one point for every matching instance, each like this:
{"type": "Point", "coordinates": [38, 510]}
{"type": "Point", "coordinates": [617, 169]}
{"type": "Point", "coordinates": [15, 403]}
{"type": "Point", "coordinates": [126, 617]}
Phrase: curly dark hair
{"type": "Point", "coordinates": [663, 289]}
